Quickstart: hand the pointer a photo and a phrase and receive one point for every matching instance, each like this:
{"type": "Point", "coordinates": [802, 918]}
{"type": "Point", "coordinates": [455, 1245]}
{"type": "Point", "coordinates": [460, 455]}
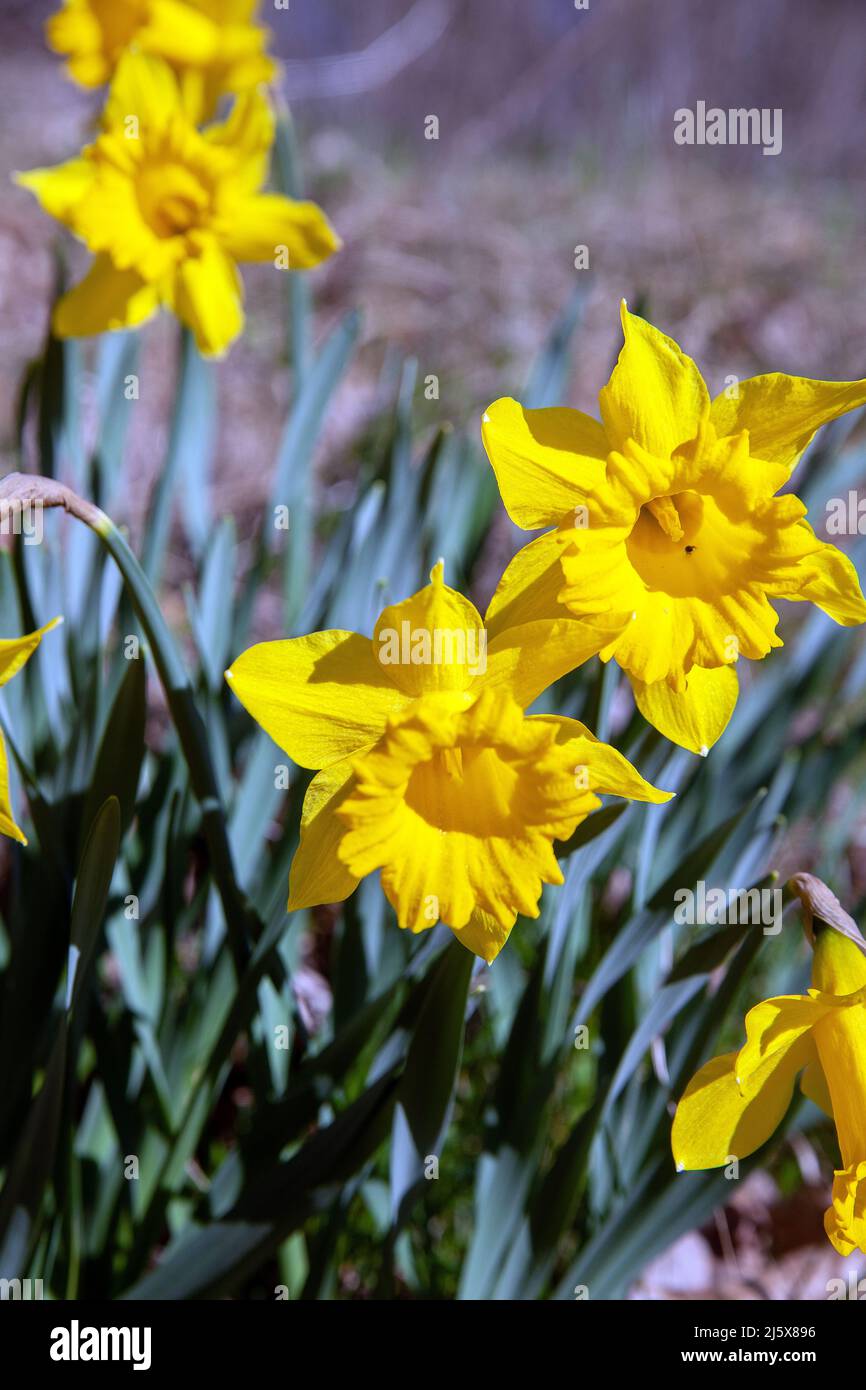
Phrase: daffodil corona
{"type": "Point", "coordinates": [735, 1102]}
{"type": "Point", "coordinates": [214, 46]}
{"type": "Point", "coordinates": [668, 520]}
{"type": "Point", "coordinates": [15, 652]}
{"type": "Point", "coordinates": [169, 210]}
{"type": "Point", "coordinates": [430, 771]}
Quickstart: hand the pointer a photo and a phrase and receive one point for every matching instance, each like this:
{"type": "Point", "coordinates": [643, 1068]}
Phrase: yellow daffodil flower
{"type": "Point", "coordinates": [169, 211]}
{"type": "Point", "coordinates": [214, 46]}
{"type": "Point", "coordinates": [429, 769]}
{"type": "Point", "coordinates": [667, 519]}
{"type": "Point", "coordinates": [735, 1102]}
{"type": "Point", "coordinates": [15, 652]}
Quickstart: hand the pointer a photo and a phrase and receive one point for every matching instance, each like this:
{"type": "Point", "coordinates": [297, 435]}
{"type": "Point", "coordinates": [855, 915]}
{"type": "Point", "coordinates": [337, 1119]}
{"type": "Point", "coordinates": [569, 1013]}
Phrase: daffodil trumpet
{"type": "Point", "coordinates": [428, 768]}
{"type": "Point", "coordinates": [735, 1102]}
{"type": "Point", "coordinates": [668, 518]}
{"type": "Point", "coordinates": [169, 211]}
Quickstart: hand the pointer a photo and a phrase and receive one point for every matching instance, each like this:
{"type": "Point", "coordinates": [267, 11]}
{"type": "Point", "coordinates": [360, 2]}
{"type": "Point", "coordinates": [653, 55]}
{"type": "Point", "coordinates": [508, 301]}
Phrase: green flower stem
{"type": "Point", "coordinates": [192, 735]}
{"type": "Point", "coordinates": [178, 692]}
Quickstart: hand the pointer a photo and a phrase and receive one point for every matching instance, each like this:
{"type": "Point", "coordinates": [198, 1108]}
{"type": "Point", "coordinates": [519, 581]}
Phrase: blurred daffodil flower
{"type": "Point", "coordinates": [15, 652]}
{"type": "Point", "coordinates": [667, 519]}
{"type": "Point", "coordinates": [169, 211]}
{"type": "Point", "coordinates": [214, 46]}
{"type": "Point", "coordinates": [735, 1102]}
{"type": "Point", "coordinates": [430, 770]}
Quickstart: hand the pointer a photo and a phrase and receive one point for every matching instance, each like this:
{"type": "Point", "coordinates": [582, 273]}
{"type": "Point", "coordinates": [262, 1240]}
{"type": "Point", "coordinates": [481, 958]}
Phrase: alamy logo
{"type": "Point", "coordinates": [729, 906]}
{"type": "Point", "coordinates": [76, 1343]}
{"type": "Point", "coordinates": [846, 516]}
{"type": "Point", "coordinates": [439, 646]}
{"type": "Point", "coordinates": [737, 126]}
{"type": "Point", "coordinates": [22, 519]}
{"type": "Point", "coordinates": [21, 1290]}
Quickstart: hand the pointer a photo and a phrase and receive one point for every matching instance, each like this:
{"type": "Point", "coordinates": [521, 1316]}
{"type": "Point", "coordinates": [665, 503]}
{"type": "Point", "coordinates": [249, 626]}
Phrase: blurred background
{"type": "Point", "coordinates": [555, 130]}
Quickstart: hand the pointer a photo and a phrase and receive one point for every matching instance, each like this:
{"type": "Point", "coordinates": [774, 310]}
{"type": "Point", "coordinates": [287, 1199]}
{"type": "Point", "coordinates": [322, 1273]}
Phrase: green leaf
{"type": "Point", "coordinates": [91, 895]}
{"type": "Point", "coordinates": [121, 750]}
{"type": "Point", "coordinates": [287, 179]}
{"type": "Point", "coordinates": [427, 1086]}
{"type": "Point", "coordinates": [213, 1261]}
{"type": "Point", "coordinates": [32, 1163]}
{"type": "Point", "coordinates": [590, 829]}
{"type": "Point", "coordinates": [187, 462]}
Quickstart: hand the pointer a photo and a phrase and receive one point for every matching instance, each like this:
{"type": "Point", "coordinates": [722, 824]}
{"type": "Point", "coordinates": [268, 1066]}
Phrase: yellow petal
{"type": "Point", "coordinates": [208, 298]}
{"type": "Point", "coordinates": [655, 394]}
{"type": "Point", "coordinates": [527, 591]}
{"type": "Point", "coordinates": [542, 459]}
{"type": "Point", "coordinates": [93, 35]}
{"type": "Point", "coordinates": [203, 88]}
{"type": "Point", "coordinates": [114, 216]}
{"type": "Point", "coordinates": [782, 412]}
{"type": "Point", "coordinates": [76, 33]}
{"type": "Point", "coordinates": [845, 1220]}
{"type": "Point", "coordinates": [268, 227]}
{"type": "Point", "coordinates": [840, 1039]}
{"type": "Point", "coordinates": [317, 874]}
{"type": "Point", "coordinates": [599, 578]}
{"type": "Point", "coordinates": [669, 636]}
{"type": "Point", "coordinates": [60, 189]}
{"type": "Point", "coordinates": [483, 935]}
{"type": "Point", "coordinates": [89, 69]}
{"type": "Point", "coordinates": [15, 652]}
{"type": "Point", "coordinates": [604, 768]}
{"type": "Point", "coordinates": [838, 964]}
{"type": "Point", "coordinates": [715, 1122]}
{"type": "Point", "coordinates": [247, 133]}
{"type": "Point", "coordinates": [434, 640]}
{"type": "Point", "coordinates": [320, 697]}
{"type": "Point", "coordinates": [525, 660]}
{"type": "Point", "coordinates": [772, 1028]}
{"type": "Point", "coordinates": [827, 578]}
{"type": "Point", "coordinates": [144, 87]}
{"type": "Point", "coordinates": [698, 717]}
{"type": "Point", "coordinates": [107, 298]}
{"type": "Point", "coordinates": [7, 820]}
{"type": "Point", "coordinates": [813, 1082]}
{"type": "Point", "coordinates": [179, 33]}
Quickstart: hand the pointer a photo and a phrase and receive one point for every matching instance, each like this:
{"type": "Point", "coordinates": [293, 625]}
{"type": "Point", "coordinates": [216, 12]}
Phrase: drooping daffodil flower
{"type": "Point", "coordinates": [735, 1102]}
